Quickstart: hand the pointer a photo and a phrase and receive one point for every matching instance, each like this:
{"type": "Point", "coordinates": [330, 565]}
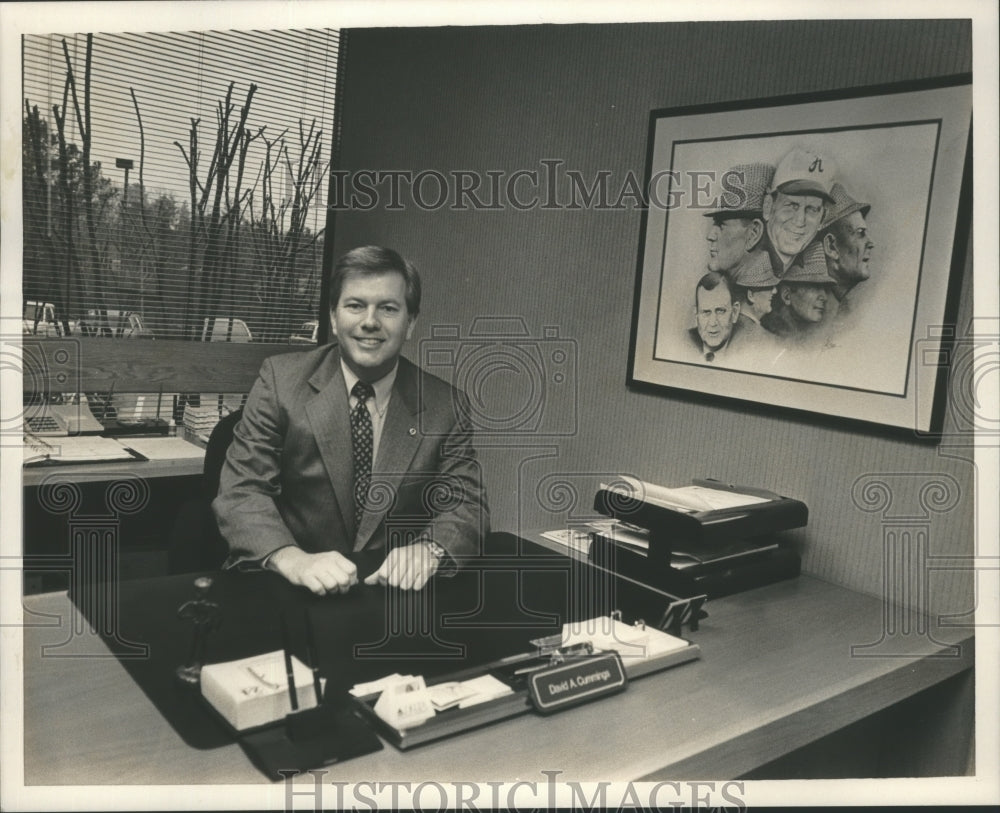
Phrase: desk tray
{"type": "Point", "coordinates": [450, 722]}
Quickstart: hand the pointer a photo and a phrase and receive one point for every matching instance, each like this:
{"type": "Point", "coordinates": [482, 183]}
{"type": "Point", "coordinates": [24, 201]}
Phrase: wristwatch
{"type": "Point", "coordinates": [445, 563]}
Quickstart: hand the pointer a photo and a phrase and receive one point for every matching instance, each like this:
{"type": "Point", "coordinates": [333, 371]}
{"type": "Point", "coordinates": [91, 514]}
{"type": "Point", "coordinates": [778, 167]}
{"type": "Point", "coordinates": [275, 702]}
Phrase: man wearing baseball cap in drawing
{"type": "Point", "coordinates": [737, 225]}
{"type": "Point", "coordinates": [846, 243]}
{"type": "Point", "coordinates": [794, 208]}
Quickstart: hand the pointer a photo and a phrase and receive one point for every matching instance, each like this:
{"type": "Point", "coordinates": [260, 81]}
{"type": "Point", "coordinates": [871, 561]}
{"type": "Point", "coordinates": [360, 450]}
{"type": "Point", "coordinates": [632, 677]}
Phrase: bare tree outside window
{"type": "Point", "coordinates": [220, 225]}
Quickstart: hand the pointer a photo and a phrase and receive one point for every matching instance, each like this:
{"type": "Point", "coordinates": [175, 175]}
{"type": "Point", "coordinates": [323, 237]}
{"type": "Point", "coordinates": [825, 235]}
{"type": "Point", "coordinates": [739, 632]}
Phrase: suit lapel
{"type": "Point", "coordinates": [397, 446]}
{"type": "Point", "coordinates": [329, 417]}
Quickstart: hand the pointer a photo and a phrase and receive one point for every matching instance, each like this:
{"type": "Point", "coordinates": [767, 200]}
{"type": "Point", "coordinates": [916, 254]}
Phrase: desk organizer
{"type": "Point", "coordinates": [643, 651]}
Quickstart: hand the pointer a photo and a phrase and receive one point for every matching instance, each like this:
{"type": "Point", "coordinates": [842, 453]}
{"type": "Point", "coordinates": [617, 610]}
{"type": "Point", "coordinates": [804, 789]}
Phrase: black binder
{"type": "Point", "coordinates": [714, 578]}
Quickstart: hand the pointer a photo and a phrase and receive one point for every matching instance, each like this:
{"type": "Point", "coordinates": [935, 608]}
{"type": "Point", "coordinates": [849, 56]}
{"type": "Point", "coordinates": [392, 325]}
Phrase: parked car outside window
{"type": "Point", "coordinates": [39, 319]}
{"type": "Point", "coordinates": [306, 333]}
{"type": "Point", "coordinates": [123, 324]}
{"type": "Point", "coordinates": [226, 329]}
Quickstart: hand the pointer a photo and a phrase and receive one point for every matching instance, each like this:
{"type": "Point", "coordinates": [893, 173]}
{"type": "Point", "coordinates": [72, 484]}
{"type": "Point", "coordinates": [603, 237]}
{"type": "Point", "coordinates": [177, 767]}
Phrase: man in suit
{"type": "Point", "coordinates": [351, 448]}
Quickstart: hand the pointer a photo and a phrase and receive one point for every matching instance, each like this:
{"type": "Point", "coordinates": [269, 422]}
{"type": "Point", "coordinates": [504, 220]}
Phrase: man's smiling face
{"type": "Point", "coordinates": [792, 221]}
{"type": "Point", "coordinates": [371, 323]}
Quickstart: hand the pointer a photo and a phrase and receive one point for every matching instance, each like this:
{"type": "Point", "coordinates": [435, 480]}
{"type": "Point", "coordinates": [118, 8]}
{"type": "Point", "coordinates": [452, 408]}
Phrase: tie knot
{"type": "Point", "coordinates": [362, 391]}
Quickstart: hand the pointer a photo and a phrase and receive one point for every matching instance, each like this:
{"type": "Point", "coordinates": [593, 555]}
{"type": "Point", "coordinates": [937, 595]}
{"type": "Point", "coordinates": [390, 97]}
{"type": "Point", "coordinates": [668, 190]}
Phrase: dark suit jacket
{"type": "Point", "coordinates": [735, 337]}
{"type": "Point", "coordinates": [288, 475]}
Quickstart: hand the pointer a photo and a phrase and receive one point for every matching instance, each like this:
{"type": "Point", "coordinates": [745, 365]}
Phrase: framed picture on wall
{"type": "Point", "coordinates": [800, 251]}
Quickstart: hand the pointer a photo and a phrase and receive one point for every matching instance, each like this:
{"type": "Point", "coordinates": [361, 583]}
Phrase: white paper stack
{"type": "Point", "coordinates": [254, 691]}
{"type": "Point", "coordinates": [570, 538]}
{"type": "Point", "coordinates": [80, 448]}
{"type": "Point", "coordinates": [686, 499]}
{"type": "Point", "coordinates": [448, 695]}
{"type": "Point", "coordinates": [632, 643]}
{"type": "Point", "coordinates": [201, 420]}
{"type": "Point", "coordinates": [406, 702]}
{"type": "Point", "coordinates": [483, 689]}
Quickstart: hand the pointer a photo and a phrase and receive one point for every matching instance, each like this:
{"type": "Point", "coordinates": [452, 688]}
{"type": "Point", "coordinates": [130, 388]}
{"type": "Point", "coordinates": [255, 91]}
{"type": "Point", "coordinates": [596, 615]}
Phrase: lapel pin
{"type": "Point", "coordinates": [413, 430]}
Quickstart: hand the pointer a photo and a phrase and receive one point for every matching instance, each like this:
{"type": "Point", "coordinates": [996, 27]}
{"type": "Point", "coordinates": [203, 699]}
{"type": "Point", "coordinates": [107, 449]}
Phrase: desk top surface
{"type": "Point", "coordinates": [777, 671]}
{"type": "Point", "coordinates": [188, 461]}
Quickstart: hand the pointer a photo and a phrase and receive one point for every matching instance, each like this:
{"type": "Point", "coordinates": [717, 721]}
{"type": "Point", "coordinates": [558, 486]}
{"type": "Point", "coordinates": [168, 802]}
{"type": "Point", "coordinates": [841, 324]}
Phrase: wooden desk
{"type": "Point", "coordinates": [96, 472]}
{"type": "Point", "coordinates": [162, 487]}
{"type": "Point", "coordinates": [776, 673]}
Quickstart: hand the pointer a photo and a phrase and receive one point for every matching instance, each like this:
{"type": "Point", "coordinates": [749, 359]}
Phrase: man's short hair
{"type": "Point", "coordinates": [370, 260]}
{"type": "Point", "coordinates": [711, 281]}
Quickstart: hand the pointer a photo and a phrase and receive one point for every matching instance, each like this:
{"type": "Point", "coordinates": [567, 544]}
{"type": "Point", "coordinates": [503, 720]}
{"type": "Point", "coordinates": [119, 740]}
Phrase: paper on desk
{"type": "Point", "coordinates": [622, 533]}
{"type": "Point", "coordinates": [630, 641]}
{"type": "Point", "coordinates": [577, 540]}
{"type": "Point", "coordinates": [171, 448]}
{"type": "Point", "coordinates": [483, 689]}
{"type": "Point", "coordinates": [446, 695]}
{"type": "Point", "coordinates": [687, 498]}
{"type": "Point", "coordinates": [75, 448]}
{"type": "Point", "coordinates": [270, 671]}
{"type": "Point", "coordinates": [35, 449]}
{"type": "Point", "coordinates": [380, 685]}
{"type": "Point", "coordinates": [254, 691]}
{"type": "Point", "coordinates": [717, 498]}
{"type": "Point", "coordinates": [443, 695]}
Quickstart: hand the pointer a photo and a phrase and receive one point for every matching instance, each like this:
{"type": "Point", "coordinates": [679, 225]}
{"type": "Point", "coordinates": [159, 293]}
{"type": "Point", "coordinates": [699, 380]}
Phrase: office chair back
{"type": "Point", "coordinates": [215, 452]}
{"type": "Point", "coordinates": [195, 542]}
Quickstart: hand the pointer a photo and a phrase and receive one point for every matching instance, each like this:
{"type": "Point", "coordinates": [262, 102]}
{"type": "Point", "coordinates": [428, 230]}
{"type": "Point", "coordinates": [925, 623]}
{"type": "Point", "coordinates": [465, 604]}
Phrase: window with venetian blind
{"type": "Point", "coordinates": [175, 183]}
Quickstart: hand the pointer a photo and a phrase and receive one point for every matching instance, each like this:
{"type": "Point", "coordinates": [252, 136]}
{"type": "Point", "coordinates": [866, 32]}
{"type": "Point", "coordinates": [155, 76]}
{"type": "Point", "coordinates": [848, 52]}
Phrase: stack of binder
{"type": "Point", "coordinates": [201, 420]}
{"type": "Point", "coordinates": [708, 538]}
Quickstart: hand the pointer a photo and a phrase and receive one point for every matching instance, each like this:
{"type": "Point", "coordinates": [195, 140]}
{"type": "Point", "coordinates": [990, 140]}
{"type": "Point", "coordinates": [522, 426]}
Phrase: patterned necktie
{"type": "Point", "coordinates": [361, 441]}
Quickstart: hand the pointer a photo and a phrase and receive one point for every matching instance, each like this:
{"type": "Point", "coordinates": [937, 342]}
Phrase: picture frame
{"type": "Point", "coordinates": [851, 207]}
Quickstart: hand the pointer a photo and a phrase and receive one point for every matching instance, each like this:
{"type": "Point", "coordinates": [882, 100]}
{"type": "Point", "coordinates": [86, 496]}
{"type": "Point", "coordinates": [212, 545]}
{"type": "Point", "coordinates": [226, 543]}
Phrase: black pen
{"type": "Point", "coordinates": [292, 694]}
{"type": "Point", "coordinates": [311, 655]}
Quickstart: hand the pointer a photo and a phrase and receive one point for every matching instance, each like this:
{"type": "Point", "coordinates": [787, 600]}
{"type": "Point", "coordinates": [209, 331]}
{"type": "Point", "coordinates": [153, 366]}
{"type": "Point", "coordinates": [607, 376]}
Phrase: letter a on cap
{"type": "Point", "coordinates": [804, 172]}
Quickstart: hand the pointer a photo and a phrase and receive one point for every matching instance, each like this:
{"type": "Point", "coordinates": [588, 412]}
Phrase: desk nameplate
{"type": "Point", "coordinates": [579, 681]}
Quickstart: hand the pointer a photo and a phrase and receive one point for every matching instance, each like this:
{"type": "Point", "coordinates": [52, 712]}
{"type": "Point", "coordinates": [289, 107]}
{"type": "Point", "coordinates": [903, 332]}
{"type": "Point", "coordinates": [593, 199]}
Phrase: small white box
{"type": "Point", "coordinates": [254, 691]}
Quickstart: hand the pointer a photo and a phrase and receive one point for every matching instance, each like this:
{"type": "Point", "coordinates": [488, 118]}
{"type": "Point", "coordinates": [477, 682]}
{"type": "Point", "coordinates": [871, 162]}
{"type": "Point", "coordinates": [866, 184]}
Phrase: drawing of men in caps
{"type": "Point", "coordinates": [804, 295]}
{"type": "Point", "coordinates": [738, 225]}
{"type": "Point", "coordinates": [793, 210]}
{"type": "Point", "coordinates": [846, 243]}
